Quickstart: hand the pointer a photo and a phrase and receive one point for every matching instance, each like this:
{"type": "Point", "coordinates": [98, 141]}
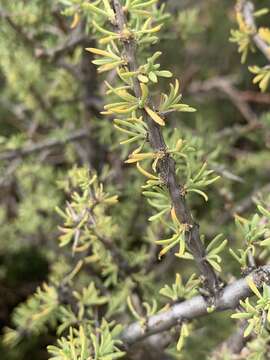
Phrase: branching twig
{"type": "Point", "coordinates": [225, 86]}
{"type": "Point", "coordinates": [190, 309]}
{"type": "Point", "coordinates": [246, 8]}
{"type": "Point", "coordinates": [29, 150]}
{"type": "Point", "coordinates": [71, 42]}
{"type": "Point", "coordinates": [255, 97]}
{"type": "Point", "coordinates": [68, 45]}
{"type": "Point", "coordinates": [244, 204]}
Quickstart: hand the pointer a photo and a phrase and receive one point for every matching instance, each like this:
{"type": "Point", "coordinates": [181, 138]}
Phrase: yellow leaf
{"type": "Point", "coordinates": [111, 200]}
{"type": "Point", "coordinates": [154, 116]}
{"type": "Point", "coordinates": [176, 88]}
{"type": "Point", "coordinates": [241, 22]}
{"type": "Point", "coordinates": [144, 90]}
{"type": "Point", "coordinates": [178, 279]}
{"type": "Point", "coordinates": [174, 217]}
{"type": "Point", "coordinates": [240, 219]}
{"type": "Point", "coordinates": [107, 67]}
{"type": "Point", "coordinates": [146, 173]}
{"type": "Point", "coordinates": [106, 40]}
{"type": "Point", "coordinates": [119, 110]}
{"type": "Point", "coordinates": [183, 334]}
{"type": "Point", "coordinates": [178, 145]}
{"type": "Point", "coordinates": [264, 33]}
{"type": "Point", "coordinates": [154, 29]}
{"type": "Point", "coordinates": [102, 53]}
{"type": "Point", "coordinates": [154, 165]}
{"type": "Point", "coordinates": [134, 157]}
{"type": "Point", "coordinates": [138, 149]}
{"type": "Point", "coordinates": [82, 247]}
{"type": "Point", "coordinates": [253, 287]}
{"type": "Point", "coordinates": [130, 161]}
{"type": "Point", "coordinates": [162, 252]}
{"type": "Point", "coordinates": [123, 94]}
{"type": "Point", "coordinates": [142, 78]}
{"type": "Point", "coordinates": [75, 21]}
{"type": "Point", "coordinates": [75, 271]}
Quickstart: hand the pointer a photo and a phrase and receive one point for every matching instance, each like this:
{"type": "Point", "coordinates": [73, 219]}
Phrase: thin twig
{"type": "Point", "coordinates": [44, 145]}
{"type": "Point", "coordinates": [68, 45]}
{"type": "Point", "coordinates": [225, 85]}
{"type": "Point", "coordinates": [244, 204]}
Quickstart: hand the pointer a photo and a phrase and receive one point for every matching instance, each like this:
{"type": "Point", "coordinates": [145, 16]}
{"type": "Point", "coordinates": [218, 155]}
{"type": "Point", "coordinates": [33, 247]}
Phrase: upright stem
{"type": "Point", "coordinates": [166, 168]}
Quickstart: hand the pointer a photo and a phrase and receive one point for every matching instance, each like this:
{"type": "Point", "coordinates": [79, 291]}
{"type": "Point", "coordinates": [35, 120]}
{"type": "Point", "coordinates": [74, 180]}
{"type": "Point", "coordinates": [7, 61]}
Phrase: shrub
{"type": "Point", "coordinates": [140, 188]}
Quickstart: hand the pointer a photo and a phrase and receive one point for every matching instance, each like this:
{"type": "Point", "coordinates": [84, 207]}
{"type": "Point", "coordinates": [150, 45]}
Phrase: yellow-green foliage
{"type": "Point", "coordinates": [85, 185]}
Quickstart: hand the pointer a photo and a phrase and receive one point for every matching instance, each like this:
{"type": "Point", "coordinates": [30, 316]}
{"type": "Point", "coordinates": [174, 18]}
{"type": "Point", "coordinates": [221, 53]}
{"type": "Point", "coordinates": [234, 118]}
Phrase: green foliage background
{"type": "Point", "coordinates": [49, 92]}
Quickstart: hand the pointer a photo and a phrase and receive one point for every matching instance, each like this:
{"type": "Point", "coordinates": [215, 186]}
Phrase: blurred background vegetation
{"type": "Point", "coordinates": [49, 109]}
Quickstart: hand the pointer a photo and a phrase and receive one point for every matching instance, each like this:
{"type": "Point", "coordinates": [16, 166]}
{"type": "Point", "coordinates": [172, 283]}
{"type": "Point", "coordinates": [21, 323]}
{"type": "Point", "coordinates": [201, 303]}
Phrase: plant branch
{"type": "Point", "coordinates": [44, 145]}
{"type": "Point", "coordinates": [68, 45]}
{"type": "Point", "coordinates": [166, 169]}
{"type": "Point", "coordinates": [26, 38]}
{"type": "Point", "coordinates": [244, 204]}
{"type": "Point", "coordinates": [228, 298]}
{"type": "Point", "coordinates": [246, 8]}
{"type": "Point", "coordinates": [225, 85]}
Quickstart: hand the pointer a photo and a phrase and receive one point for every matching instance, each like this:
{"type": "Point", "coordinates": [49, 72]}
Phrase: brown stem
{"type": "Point", "coordinates": [44, 145]}
{"type": "Point", "coordinates": [166, 169]}
{"type": "Point", "coordinates": [225, 85]}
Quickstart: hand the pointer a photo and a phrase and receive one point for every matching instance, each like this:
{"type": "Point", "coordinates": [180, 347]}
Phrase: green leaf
{"type": "Point", "coordinates": [241, 315]}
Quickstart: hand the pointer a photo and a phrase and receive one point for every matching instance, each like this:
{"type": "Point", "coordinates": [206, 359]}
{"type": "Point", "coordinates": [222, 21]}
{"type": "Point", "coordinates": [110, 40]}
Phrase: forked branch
{"type": "Point", "coordinates": [188, 310]}
{"type": "Point", "coordinates": [246, 8]}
